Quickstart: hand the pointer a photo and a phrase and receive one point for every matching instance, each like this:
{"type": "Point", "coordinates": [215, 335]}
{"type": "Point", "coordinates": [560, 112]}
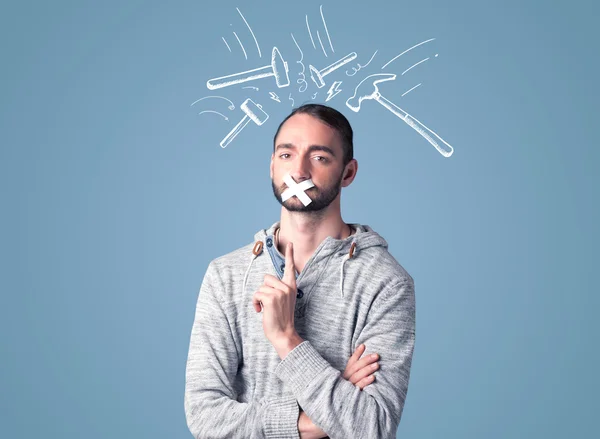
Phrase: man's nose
{"type": "Point", "coordinates": [300, 169]}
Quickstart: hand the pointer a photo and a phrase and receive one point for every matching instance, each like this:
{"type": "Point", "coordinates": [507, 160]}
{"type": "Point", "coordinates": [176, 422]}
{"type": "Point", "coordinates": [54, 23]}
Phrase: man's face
{"type": "Point", "coordinates": [307, 149]}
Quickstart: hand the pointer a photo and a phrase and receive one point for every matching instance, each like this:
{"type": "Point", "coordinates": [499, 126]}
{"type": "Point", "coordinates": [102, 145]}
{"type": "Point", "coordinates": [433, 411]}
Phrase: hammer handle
{"type": "Point", "coordinates": [237, 78]}
{"type": "Point", "coordinates": [445, 149]}
{"type": "Point", "coordinates": [235, 131]}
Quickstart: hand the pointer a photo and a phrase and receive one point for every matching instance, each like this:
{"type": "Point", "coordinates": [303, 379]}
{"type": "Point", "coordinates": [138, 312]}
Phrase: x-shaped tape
{"type": "Point", "coordinates": [297, 189]}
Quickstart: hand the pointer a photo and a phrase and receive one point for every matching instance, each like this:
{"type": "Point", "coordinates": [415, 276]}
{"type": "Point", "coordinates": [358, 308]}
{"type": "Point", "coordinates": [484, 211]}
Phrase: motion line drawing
{"type": "Point", "coordinates": [318, 75]}
{"type": "Point", "coordinates": [225, 41]}
{"type": "Point", "coordinates": [326, 30]}
{"type": "Point", "coordinates": [278, 68]}
{"type": "Point", "coordinates": [415, 65]}
{"type": "Point", "coordinates": [241, 45]}
{"type": "Point", "coordinates": [411, 48]}
{"type": "Point", "coordinates": [216, 112]}
{"type": "Point", "coordinates": [309, 33]}
{"type": "Point", "coordinates": [231, 106]}
{"type": "Point", "coordinates": [371, 91]}
{"type": "Point", "coordinates": [252, 112]}
{"type": "Point", "coordinates": [273, 96]}
{"type": "Point", "coordinates": [408, 91]}
{"type": "Point", "coordinates": [250, 29]}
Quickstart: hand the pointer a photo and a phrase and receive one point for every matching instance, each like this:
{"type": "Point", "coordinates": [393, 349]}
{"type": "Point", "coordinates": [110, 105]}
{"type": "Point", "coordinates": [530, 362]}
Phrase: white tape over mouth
{"type": "Point", "coordinates": [297, 189]}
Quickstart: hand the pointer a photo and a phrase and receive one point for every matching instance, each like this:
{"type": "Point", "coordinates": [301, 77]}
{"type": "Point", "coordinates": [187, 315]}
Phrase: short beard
{"type": "Point", "coordinates": [320, 201]}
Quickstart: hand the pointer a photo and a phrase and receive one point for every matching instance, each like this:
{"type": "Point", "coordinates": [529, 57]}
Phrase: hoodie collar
{"type": "Point", "coordinates": [344, 249]}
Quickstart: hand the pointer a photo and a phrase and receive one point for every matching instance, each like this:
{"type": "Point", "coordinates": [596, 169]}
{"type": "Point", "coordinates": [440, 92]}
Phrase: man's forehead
{"type": "Point", "coordinates": [303, 131]}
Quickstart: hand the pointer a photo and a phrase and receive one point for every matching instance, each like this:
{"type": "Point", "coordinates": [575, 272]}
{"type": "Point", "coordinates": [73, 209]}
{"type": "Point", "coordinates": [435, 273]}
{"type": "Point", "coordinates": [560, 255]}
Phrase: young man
{"type": "Point", "coordinates": [278, 319]}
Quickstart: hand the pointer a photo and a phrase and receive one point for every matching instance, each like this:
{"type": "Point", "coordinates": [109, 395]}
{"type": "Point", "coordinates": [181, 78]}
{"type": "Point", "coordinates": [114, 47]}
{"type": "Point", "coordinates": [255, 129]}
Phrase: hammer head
{"type": "Point", "coordinates": [280, 68]}
{"type": "Point", "coordinates": [254, 111]}
{"type": "Point", "coordinates": [367, 89]}
{"type": "Point", "coordinates": [316, 76]}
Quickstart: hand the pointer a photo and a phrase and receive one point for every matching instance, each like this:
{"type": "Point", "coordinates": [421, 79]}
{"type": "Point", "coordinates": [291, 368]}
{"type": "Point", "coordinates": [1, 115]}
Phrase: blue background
{"type": "Point", "coordinates": [116, 195]}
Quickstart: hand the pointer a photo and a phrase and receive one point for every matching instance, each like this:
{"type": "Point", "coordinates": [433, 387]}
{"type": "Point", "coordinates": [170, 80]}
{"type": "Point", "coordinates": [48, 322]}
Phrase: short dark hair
{"type": "Point", "coordinates": [331, 117]}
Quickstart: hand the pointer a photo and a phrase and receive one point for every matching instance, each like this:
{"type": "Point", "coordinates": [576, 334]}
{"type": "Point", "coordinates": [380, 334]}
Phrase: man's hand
{"type": "Point", "coordinates": [278, 301]}
{"type": "Point", "coordinates": [307, 429]}
{"type": "Point", "coordinates": [359, 371]}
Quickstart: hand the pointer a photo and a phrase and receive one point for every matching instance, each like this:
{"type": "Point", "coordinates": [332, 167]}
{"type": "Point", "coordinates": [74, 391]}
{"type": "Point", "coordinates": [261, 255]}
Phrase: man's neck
{"type": "Point", "coordinates": [307, 232]}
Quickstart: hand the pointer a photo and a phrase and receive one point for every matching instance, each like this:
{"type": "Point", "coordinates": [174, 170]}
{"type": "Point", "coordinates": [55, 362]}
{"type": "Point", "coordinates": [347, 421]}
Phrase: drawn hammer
{"type": "Point", "coordinates": [253, 112]}
{"type": "Point", "coordinates": [370, 91]}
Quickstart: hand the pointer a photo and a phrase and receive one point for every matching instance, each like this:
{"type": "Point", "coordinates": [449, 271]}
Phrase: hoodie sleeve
{"type": "Point", "coordinates": [336, 405]}
{"type": "Point", "coordinates": [211, 408]}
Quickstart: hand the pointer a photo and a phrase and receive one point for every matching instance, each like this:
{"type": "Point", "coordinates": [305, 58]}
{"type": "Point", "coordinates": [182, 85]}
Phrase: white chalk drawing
{"type": "Point", "coordinates": [333, 90]}
{"type": "Point", "coordinates": [250, 29]}
{"type": "Point", "coordinates": [370, 91]}
{"type": "Point", "coordinates": [414, 65]}
{"type": "Point", "coordinates": [225, 41]}
{"type": "Point", "coordinates": [327, 31]}
{"type": "Point", "coordinates": [361, 66]}
{"type": "Point", "coordinates": [367, 89]}
{"type": "Point", "coordinates": [411, 48]}
{"type": "Point", "coordinates": [241, 45]}
{"type": "Point", "coordinates": [231, 106]}
{"type": "Point", "coordinates": [309, 33]}
{"type": "Point", "coordinates": [296, 189]}
{"type": "Point", "coordinates": [212, 111]}
{"type": "Point", "coordinates": [408, 91]}
{"type": "Point", "coordinates": [302, 79]}
{"type": "Point", "coordinates": [321, 43]}
{"type": "Point", "coordinates": [318, 75]}
{"type": "Point", "coordinates": [252, 112]}
{"type": "Point", "coordinates": [278, 68]}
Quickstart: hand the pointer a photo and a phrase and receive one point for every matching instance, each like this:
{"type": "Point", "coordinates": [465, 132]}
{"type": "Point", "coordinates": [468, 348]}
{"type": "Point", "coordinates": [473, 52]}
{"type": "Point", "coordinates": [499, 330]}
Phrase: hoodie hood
{"type": "Point", "coordinates": [331, 251]}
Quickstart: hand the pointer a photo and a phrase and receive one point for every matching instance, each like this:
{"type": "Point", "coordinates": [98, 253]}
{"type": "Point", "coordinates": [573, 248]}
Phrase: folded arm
{"type": "Point", "coordinates": [336, 405]}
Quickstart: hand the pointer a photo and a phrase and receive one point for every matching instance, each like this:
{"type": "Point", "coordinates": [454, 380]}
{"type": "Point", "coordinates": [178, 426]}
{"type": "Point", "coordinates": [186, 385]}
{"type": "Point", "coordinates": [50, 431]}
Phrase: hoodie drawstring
{"type": "Point", "coordinates": [346, 257]}
{"type": "Point", "coordinates": [256, 250]}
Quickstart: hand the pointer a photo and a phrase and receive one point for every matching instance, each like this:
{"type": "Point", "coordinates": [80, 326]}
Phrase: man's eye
{"type": "Point", "coordinates": [321, 158]}
{"type": "Point", "coordinates": [284, 154]}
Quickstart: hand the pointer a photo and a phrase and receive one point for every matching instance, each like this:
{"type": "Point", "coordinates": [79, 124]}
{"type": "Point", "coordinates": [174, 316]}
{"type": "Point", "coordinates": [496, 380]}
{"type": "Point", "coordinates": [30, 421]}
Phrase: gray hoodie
{"type": "Point", "coordinates": [351, 291]}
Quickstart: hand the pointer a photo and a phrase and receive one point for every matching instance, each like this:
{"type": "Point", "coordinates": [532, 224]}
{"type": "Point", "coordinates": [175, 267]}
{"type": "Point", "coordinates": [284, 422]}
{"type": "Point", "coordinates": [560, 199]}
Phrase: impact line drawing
{"type": "Point", "coordinates": [371, 91]}
{"type": "Point", "coordinates": [333, 90]}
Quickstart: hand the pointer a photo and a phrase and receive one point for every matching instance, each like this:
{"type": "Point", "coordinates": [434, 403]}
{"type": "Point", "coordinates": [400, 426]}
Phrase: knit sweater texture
{"type": "Point", "coordinates": [351, 291]}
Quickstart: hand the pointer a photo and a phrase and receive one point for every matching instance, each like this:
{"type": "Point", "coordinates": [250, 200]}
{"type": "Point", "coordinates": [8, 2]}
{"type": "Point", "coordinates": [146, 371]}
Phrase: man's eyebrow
{"type": "Point", "coordinates": [311, 148]}
{"type": "Point", "coordinates": [321, 148]}
{"type": "Point", "coordinates": [285, 145]}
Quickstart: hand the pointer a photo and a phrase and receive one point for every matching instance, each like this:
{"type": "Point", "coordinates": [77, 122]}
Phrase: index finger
{"type": "Point", "coordinates": [289, 274]}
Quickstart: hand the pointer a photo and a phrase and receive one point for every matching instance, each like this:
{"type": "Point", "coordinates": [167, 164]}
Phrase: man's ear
{"type": "Point", "coordinates": [271, 166]}
{"type": "Point", "coordinates": [350, 172]}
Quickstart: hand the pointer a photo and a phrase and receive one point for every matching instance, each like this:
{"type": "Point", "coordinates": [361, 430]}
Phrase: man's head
{"type": "Point", "coordinates": [313, 142]}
